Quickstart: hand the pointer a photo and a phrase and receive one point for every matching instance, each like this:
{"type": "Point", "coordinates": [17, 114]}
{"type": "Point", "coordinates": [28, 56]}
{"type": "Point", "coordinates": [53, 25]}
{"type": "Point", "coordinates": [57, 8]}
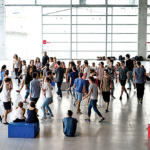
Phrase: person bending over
{"type": "Point", "coordinates": [69, 124]}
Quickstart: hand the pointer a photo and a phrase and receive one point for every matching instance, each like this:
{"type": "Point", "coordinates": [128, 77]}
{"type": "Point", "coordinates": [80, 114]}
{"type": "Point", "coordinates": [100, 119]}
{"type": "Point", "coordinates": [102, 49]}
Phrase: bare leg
{"type": "Point", "coordinates": [107, 105]}
{"type": "Point", "coordinates": [125, 90]}
{"type": "Point", "coordinates": [122, 89]}
{"type": "Point", "coordinates": [78, 106]}
{"type": "Point", "coordinates": [5, 115]}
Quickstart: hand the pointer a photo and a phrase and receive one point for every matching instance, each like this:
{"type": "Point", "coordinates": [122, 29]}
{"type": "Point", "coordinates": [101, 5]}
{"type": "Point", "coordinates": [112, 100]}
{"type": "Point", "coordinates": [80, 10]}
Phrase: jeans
{"type": "Point", "coordinates": [131, 78]}
{"type": "Point", "coordinates": [39, 72]}
{"type": "Point", "coordinates": [140, 90]}
{"type": "Point", "coordinates": [17, 74]}
{"type": "Point", "coordinates": [45, 104]}
{"type": "Point", "coordinates": [112, 90]}
{"type": "Point", "coordinates": [27, 92]}
{"type": "Point", "coordinates": [59, 88]}
{"type": "Point", "coordinates": [93, 104]}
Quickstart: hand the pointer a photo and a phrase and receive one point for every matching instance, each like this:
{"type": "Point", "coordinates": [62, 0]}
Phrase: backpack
{"type": "Point", "coordinates": [120, 57]}
{"type": "Point", "coordinates": [148, 56]}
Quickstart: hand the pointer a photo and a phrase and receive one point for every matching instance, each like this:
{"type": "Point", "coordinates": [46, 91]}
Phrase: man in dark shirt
{"type": "Point", "coordinates": [130, 66]}
{"type": "Point", "coordinates": [69, 124]}
{"type": "Point", "coordinates": [45, 59]}
{"type": "Point", "coordinates": [59, 74]}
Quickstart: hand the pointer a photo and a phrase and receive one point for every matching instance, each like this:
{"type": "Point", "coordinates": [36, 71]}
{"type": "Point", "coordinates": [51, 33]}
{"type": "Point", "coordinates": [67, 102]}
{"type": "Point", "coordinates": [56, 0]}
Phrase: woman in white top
{"type": "Point", "coordinates": [6, 99]}
{"type": "Point", "coordinates": [16, 67]}
{"type": "Point", "coordinates": [19, 113]}
{"type": "Point", "coordinates": [51, 65]}
{"type": "Point", "coordinates": [24, 68]}
{"type": "Point", "coordinates": [49, 97]}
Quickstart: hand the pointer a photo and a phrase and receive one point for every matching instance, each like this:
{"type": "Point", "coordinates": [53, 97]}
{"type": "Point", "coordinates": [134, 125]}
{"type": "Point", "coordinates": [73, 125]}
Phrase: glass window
{"type": "Point", "coordinates": [123, 29]}
{"type": "Point", "coordinates": [123, 20]}
{"type": "Point", "coordinates": [54, 2]}
{"type": "Point", "coordinates": [121, 2]}
{"type": "Point", "coordinates": [89, 55]}
{"type": "Point", "coordinates": [59, 55]}
{"type": "Point", "coordinates": [56, 28]}
{"type": "Point", "coordinates": [124, 46]}
{"type": "Point", "coordinates": [56, 20]}
{"type": "Point", "coordinates": [19, 2]}
{"type": "Point", "coordinates": [56, 11]}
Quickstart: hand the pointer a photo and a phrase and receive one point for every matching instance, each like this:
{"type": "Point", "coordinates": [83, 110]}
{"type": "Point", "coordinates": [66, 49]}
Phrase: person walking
{"type": "Point", "coordinates": [59, 73]}
{"type": "Point", "coordinates": [139, 78]}
{"type": "Point", "coordinates": [123, 74]}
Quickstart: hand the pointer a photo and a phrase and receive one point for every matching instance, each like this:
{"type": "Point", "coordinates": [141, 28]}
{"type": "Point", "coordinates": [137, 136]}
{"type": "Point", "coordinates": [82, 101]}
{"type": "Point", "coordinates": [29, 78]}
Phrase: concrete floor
{"type": "Point", "coordinates": [124, 127]}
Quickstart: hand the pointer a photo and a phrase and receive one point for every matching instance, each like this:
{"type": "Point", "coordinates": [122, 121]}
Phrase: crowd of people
{"type": "Point", "coordinates": [84, 81]}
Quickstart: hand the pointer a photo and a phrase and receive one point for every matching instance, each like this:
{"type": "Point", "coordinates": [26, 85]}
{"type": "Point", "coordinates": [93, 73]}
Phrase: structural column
{"type": "Point", "coordinates": [142, 28]}
{"type": "Point", "coordinates": [2, 30]}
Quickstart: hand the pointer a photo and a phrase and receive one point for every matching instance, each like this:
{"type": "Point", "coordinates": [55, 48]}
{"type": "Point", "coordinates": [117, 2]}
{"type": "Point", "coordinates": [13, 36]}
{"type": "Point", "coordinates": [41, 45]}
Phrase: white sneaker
{"type": "Point", "coordinates": [87, 106]}
{"type": "Point", "coordinates": [43, 118]}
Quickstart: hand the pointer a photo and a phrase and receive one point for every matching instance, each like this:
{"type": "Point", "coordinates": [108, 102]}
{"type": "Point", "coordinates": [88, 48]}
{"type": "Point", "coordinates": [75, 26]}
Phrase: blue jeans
{"type": "Point", "coordinates": [93, 104]}
{"type": "Point", "coordinates": [131, 78]}
{"type": "Point", "coordinates": [59, 88]}
{"type": "Point", "coordinates": [39, 72]}
{"type": "Point", "coordinates": [45, 104]}
{"type": "Point", "coordinates": [27, 92]}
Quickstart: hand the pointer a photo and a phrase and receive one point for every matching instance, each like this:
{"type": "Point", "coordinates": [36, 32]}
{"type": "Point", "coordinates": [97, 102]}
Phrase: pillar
{"type": "Point", "coordinates": [142, 28]}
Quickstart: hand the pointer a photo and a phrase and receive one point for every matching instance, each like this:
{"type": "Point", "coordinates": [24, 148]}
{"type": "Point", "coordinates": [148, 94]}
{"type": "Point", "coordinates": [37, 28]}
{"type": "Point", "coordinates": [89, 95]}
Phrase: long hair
{"type": "Point", "coordinates": [47, 66]}
{"type": "Point", "coordinates": [3, 67]}
{"type": "Point", "coordinates": [36, 59]}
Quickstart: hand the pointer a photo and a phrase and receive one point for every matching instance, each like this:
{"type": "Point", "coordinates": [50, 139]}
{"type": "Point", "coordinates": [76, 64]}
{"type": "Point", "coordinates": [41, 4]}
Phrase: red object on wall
{"type": "Point", "coordinates": [44, 41]}
{"type": "Point", "coordinates": [149, 131]}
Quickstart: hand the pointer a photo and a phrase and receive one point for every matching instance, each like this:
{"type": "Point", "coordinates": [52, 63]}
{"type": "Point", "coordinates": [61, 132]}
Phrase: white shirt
{"type": "Point", "coordinates": [95, 68]}
{"type": "Point", "coordinates": [51, 66]}
{"type": "Point", "coordinates": [48, 90]}
{"type": "Point", "coordinates": [6, 92]}
{"type": "Point", "coordinates": [87, 71]}
{"type": "Point", "coordinates": [24, 70]}
{"type": "Point", "coordinates": [19, 113]}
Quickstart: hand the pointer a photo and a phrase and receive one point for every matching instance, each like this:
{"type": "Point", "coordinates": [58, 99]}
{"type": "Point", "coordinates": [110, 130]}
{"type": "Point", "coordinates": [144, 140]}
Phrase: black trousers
{"type": "Point", "coordinates": [17, 73]}
{"type": "Point", "coordinates": [140, 90]}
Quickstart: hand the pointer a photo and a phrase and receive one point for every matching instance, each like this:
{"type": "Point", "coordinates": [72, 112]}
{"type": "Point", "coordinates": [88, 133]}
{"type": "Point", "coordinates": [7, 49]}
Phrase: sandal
{"type": "Point", "coordinates": [18, 91]}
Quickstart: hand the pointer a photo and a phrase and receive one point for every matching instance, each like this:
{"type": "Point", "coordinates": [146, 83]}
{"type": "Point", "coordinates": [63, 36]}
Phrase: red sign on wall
{"type": "Point", "coordinates": [45, 42]}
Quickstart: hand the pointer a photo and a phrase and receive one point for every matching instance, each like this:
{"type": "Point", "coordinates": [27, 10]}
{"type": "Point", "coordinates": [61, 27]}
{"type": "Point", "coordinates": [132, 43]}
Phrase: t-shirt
{"type": "Point", "coordinates": [24, 70]}
{"type": "Point", "coordinates": [70, 70]}
{"type": "Point", "coordinates": [51, 66]}
{"type": "Point", "coordinates": [129, 65]}
{"type": "Point", "coordinates": [139, 74]}
{"type": "Point", "coordinates": [100, 72]}
{"type": "Point", "coordinates": [69, 126]}
{"type": "Point", "coordinates": [44, 60]}
{"type": "Point", "coordinates": [2, 75]}
{"type": "Point", "coordinates": [111, 71]}
{"type": "Point", "coordinates": [48, 90]}
{"type": "Point", "coordinates": [6, 92]}
{"type": "Point", "coordinates": [93, 87]}
{"type": "Point", "coordinates": [106, 83]}
{"type": "Point", "coordinates": [60, 74]}
{"type": "Point", "coordinates": [73, 75]}
{"type": "Point", "coordinates": [79, 84]}
{"type": "Point", "coordinates": [123, 73]}
{"type": "Point", "coordinates": [78, 68]}
{"type": "Point", "coordinates": [87, 71]}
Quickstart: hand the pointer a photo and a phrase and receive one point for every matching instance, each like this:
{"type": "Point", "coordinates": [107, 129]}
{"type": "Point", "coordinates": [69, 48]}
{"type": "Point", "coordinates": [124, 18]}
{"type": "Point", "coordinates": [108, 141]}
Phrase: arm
{"type": "Point", "coordinates": [2, 83]}
{"type": "Point", "coordinates": [70, 82]}
{"type": "Point", "coordinates": [67, 75]}
{"type": "Point", "coordinates": [87, 94]}
{"type": "Point", "coordinates": [134, 75]}
{"type": "Point", "coordinates": [85, 75]}
{"type": "Point", "coordinates": [19, 66]}
{"type": "Point", "coordinates": [83, 89]}
{"type": "Point", "coordinates": [25, 82]}
{"type": "Point", "coordinates": [101, 86]}
{"type": "Point", "coordinates": [119, 76]}
{"type": "Point", "coordinates": [128, 76]}
{"type": "Point", "coordinates": [144, 77]}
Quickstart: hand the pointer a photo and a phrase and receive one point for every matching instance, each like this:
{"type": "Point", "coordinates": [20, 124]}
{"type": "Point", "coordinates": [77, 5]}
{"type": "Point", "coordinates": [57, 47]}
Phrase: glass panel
{"type": "Point", "coordinates": [148, 20]}
{"type": "Point", "coordinates": [90, 47]}
{"type": "Point", "coordinates": [95, 2]}
{"type": "Point", "coordinates": [59, 55]}
{"type": "Point", "coordinates": [19, 2]}
{"type": "Point", "coordinates": [56, 20]}
{"type": "Point", "coordinates": [123, 20]}
{"type": "Point", "coordinates": [56, 46]}
{"type": "Point", "coordinates": [56, 28]}
{"type": "Point", "coordinates": [91, 38]}
{"type": "Point", "coordinates": [89, 29]}
{"type": "Point", "coordinates": [76, 2]}
{"type": "Point", "coordinates": [121, 2]}
{"type": "Point", "coordinates": [125, 11]}
{"type": "Point", "coordinates": [124, 38]}
{"type": "Point", "coordinates": [56, 11]}
{"type": "Point", "coordinates": [54, 2]}
{"type": "Point", "coordinates": [89, 20]}
{"type": "Point", "coordinates": [56, 37]}
{"type": "Point", "coordinates": [123, 29]}
{"type": "Point", "coordinates": [124, 46]}
{"type": "Point", "coordinates": [89, 55]}
{"type": "Point", "coordinates": [88, 11]}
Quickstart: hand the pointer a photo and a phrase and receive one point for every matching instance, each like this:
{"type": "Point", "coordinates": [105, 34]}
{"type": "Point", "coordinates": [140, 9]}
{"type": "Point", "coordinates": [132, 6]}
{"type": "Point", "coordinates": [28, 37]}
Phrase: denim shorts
{"type": "Point", "coordinates": [78, 96]}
